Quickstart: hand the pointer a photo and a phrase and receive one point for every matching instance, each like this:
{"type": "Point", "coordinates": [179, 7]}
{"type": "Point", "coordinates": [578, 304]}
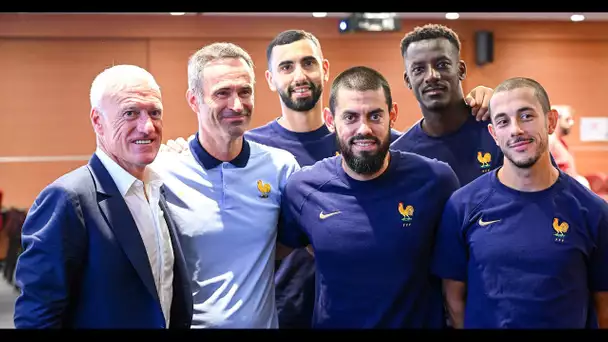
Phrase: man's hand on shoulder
{"type": "Point", "coordinates": [177, 146]}
{"type": "Point", "coordinates": [479, 101]}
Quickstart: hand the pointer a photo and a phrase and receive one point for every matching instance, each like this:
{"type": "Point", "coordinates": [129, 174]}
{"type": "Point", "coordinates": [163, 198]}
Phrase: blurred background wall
{"type": "Point", "coordinates": [48, 61]}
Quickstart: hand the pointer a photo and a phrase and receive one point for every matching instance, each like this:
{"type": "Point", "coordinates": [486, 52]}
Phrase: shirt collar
{"type": "Point", "coordinates": [123, 179]}
{"type": "Point", "coordinates": [209, 162]}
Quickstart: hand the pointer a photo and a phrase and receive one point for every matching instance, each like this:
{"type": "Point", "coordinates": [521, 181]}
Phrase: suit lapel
{"type": "Point", "coordinates": [121, 222]}
{"type": "Point", "coordinates": [181, 279]}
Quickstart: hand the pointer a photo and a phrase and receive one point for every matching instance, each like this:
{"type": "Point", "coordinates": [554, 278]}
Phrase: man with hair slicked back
{"type": "Point", "coordinates": [524, 246]}
{"type": "Point", "coordinates": [226, 193]}
{"type": "Point", "coordinates": [369, 214]}
{"type": "Point", "coordinates": [100, 248]}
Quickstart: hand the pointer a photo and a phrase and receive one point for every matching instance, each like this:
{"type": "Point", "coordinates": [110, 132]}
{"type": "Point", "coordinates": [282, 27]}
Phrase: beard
{"type": "Point", "coordinates": [303, 104]}
{"type": "Point", "coordinates": [530, 161]}
{"type": "Point", "coordinates": [367, 162]}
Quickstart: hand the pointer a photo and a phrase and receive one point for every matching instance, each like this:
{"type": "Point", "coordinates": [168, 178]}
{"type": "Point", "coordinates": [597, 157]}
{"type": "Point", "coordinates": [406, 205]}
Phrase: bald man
{"type": "Point", "coordinates": [100, 248]}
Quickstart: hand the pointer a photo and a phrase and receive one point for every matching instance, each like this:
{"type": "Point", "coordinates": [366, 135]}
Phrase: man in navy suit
{"type": "Point", "coordinates": [100, 246]}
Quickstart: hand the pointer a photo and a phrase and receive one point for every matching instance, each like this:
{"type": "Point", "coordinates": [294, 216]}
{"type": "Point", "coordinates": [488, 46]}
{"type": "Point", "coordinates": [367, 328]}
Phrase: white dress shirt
{"type": "Point", "coordinates": [150, 222]}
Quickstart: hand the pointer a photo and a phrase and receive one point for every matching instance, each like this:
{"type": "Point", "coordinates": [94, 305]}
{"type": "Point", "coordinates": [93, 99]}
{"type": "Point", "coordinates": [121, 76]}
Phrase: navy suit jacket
{"type": "Point", "coordinates": [84, 264]}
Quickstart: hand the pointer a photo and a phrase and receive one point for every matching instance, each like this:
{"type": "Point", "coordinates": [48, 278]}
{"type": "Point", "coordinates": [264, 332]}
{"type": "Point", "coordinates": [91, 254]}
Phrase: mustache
{"type": "Point", "coordinates": [434, 86]}
{"type": "Point", "coordinates": [520, 139]}
{"type": "Point", "coordinates": [309, 84]}
{"type": "Point", "coordinates": [363, 137]}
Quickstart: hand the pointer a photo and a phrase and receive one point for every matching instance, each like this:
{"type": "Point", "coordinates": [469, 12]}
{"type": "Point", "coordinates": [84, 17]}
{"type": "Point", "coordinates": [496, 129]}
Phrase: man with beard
{"type": "Point", "coordinates": [226, 194]}
{"type": "Point", "coordinates": [559, 148]}
{"type": "Point", "coordinates": [369, 214]}
{"type": "Point", "coordinates": [448, 132]}
{"type": "Point", "coordinates": [526, 245]}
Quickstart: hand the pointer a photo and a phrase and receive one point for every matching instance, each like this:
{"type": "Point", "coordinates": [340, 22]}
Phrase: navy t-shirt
{"type": "Point", "coordinates": [470, 151]}
{"type": "Point", "coordinates": [529, 259]}
{"type": "Point", "coordinates": [307, 147]}
{"type": "Point", "coordinates": [295, 274]}
{"type": "Point", "coordinates": [372, 240]}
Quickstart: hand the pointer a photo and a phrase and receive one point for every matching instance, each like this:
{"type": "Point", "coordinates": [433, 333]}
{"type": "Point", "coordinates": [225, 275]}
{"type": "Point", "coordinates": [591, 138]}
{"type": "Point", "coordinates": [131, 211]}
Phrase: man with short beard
{"type": "Point", "coordinates": [524, 246]}
{"type": "Point", "coordinates": [369, 214]}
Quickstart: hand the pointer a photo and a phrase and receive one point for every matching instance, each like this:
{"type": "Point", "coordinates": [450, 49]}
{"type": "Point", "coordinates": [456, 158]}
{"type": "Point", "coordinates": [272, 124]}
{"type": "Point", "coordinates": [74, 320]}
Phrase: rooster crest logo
{"type": "Point", "coordinates": [264, 189]}
{"type": "Point", "coordinates": [484, 160]}
{"type": "Point", "coordinates": [560, 230]}
{"type": "Point", "coordinates": [407, 212]}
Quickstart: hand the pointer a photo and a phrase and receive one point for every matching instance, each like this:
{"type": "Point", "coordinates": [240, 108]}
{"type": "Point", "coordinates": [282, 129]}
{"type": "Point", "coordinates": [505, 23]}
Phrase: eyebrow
{"type": "Point", "coordinates": [522, 109]}
{"type": "Point", "coordinates": [440, 58]}
{"type": "Point", "coordinates": [375, 111]}
{"type": "Point", "coordinates": [305, 59]}
{"type": "Point", "coordinates": [138, 107]}
{"type": "Point", "coordinates": [229, 88]}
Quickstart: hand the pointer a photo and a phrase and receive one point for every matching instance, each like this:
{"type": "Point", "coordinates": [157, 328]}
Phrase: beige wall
{"type": "Point", "coordinates": [48, 62]}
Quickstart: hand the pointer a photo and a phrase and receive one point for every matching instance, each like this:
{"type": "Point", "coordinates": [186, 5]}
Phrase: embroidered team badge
{"type": "Point", "coordinates": [560, 230]}
{"type": "Point", "coordinates": [484, 161]}
{"type": "Point", "coordinates": [406, 212]}
{"type": "Point", "coordinates": [264, 189]}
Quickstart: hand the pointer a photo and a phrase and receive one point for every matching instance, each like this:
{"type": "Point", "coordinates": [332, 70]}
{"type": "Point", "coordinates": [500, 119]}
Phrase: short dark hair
{"type": "Point", "coordinates": [288, 37]}
{"type": "Point", "coordinates": [359, 78]}
{"type": "Point", "coordinates": [429, 31]}
{"type": "Point", "coordinates": [524, 82]}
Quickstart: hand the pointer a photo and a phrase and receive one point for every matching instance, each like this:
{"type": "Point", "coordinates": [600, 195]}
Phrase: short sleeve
{"type": "Point", "coordinates": [290, 232]}
{"type": "Point", "coordinates": [449, 259]}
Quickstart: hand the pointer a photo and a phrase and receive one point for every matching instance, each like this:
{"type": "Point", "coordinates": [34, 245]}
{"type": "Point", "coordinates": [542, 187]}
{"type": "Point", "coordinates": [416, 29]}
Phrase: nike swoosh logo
{"type": "Point", "coordinates": [483, 224]}
{"type": "Point", "coordinates": [324, 216]}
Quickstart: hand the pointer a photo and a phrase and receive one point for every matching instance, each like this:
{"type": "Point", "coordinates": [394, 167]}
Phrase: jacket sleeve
{"type": "Point", "coordinates": [54, 242]}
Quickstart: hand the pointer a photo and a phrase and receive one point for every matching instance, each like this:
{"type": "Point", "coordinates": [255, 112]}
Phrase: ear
{"type": "Point", "coordinates": [191, 98]}
{"type": "Point", "coordinates": [329, 120]}
{"type": "Point", "coordinates": [552, 118]}
{"type": "Point", "coordinates": [406, 79]}
{"type": "Point", "coordinates": [325, 70]}
{"type": "Point", "coordinates": [492, 133]}
{"type": "Point", "coordinates": [393, 114]}
{"type": "Point", "coordinates": [462, 70]}
{"type": "Point", "coordinates": [268, 75]}
{"type": "Point", "coordinates": [96, 118]}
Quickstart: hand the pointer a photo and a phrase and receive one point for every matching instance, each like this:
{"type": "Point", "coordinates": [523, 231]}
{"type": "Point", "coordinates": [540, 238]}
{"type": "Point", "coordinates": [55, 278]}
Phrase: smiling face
{"type": "Point", "coordinates": [129, 124]}
{"type": "Point", "coordinates": [226, 105]}
{"type": "Point", "coordinates": [520, 126]}
{"type": "Point", "coordinates": [362, 121]}
{"type": "Point", "coordinates": [433, 71]}
{"type": "Point", "coordinates": [298, 74]}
